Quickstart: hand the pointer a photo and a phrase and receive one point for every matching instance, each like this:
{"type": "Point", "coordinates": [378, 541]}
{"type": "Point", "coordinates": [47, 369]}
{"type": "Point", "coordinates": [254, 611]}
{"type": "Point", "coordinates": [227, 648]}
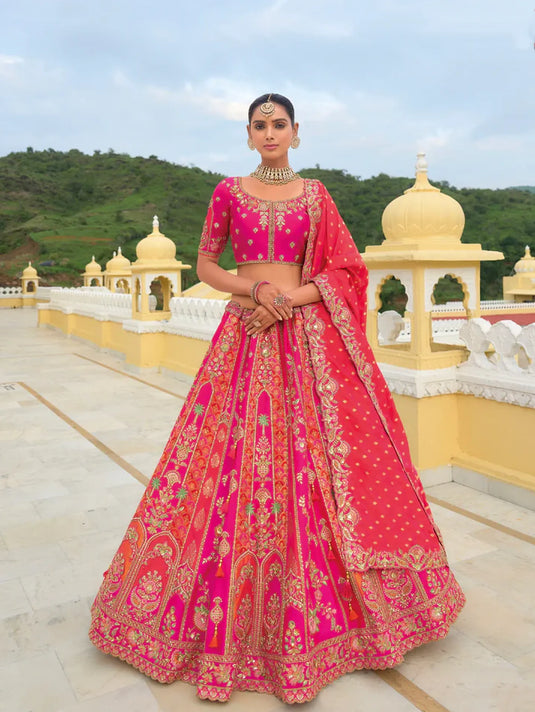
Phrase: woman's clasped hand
{"type": "Point", "coordinates": [273, 305]}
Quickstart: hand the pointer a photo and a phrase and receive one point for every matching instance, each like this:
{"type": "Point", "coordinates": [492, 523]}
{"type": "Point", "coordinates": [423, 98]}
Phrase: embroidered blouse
{"type": "Point", "coordinates": [260, 230]}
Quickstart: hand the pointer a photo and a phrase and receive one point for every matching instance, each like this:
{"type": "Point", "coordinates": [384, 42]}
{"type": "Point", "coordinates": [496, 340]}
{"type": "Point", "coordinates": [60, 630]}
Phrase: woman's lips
{"type": "Point", "coordinates": [270, 146]}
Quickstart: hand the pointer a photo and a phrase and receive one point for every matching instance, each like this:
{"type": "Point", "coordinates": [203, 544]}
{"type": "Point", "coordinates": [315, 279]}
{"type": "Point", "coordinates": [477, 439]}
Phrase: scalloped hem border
{"type": "Point", "coordinates": [287, 695]}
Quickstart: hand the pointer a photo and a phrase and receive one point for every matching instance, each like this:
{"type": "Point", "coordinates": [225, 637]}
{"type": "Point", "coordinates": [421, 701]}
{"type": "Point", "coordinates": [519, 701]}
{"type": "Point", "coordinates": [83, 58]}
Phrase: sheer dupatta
{"type": "Point", "coordinates": [384, 520]}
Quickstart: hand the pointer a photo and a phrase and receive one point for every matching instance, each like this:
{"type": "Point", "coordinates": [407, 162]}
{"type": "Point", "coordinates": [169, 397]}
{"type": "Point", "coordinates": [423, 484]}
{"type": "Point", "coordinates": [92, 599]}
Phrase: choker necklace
{"type": "Point", "coordinates": [274, 176]}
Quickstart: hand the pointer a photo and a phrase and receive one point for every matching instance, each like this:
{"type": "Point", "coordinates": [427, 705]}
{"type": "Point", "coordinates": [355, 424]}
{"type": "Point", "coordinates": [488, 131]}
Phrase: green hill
{"type": "Point", "coordinates": [60, 208]}
{"type": "Point", "coordinates": [529, 188]}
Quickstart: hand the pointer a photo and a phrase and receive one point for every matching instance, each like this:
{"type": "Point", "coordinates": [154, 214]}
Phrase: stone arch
{"type": "Point", "coordinates": [161, 288]}
{"type": "Point", "coordinates": [136, 295]}
{"type": "Point", "coordinates": [450, 288]}
{"type": "Point", "coordinates": [457, 287]}
{"type": "Point", "coordinates": [95, 282]}
{"type": "Point", "coordinates": [122, 285]}
{"type": "Point", "coordinates": [391, 295]}
{"type": "Point", "coordinates": [30, 286]}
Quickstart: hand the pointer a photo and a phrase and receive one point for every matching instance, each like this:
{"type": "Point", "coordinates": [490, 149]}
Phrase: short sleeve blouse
{"type": "Point", "coordinates": [261, 231]}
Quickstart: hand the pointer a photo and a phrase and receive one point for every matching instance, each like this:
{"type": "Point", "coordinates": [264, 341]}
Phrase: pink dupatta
{"type": "Point", "coordinates": [383, 518]}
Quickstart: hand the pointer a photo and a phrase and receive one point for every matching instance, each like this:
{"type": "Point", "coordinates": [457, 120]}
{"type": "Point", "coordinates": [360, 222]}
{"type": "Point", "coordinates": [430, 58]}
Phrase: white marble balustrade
{"type": "Point", "coordinates": [8, 292]}
{"type": "Point", "coordinates": [500, 364]}
{"type": "Point", "coordinates": [503, 346]}
{"type": "Point", "coordinates": [500, 305]}
{"type": "Point", "coordinates": [43, 292]}
{"type": "Point", "coordinates": [393, 328]}
{"type": "Point", "coordinates": [489, 305]}
{"type": "Point", "coordinates": [96, 302]}
{"type": "Point", "coordinates": [197, 318]}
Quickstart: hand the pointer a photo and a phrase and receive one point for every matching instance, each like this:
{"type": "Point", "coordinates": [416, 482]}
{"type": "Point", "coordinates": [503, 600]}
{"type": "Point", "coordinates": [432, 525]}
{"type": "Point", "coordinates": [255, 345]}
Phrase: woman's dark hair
{"type": "Point", "coordinates": [276, 99]}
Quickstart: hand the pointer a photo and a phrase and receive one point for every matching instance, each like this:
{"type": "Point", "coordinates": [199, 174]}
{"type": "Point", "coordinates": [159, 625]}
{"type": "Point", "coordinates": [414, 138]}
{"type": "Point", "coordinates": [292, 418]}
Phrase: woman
{"type": "Point", "coordinates": [284, 538]}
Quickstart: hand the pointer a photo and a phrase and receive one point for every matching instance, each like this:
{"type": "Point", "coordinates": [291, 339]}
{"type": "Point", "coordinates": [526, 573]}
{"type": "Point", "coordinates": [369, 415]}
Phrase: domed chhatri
{"type": "Point", "coordinates": [520, 287]}
{"type": "Point", "coordinates": [118, 262]}
{"type": "Point", "coordinates": [423, 229]}
{"type": "Point", "coordinates": [156, 247]}
{"type": "Point", "coordinates": [93, 267]}
{"type": "Point", "coordinates": [156, 262]}
{"type": "Point", "coordinates": [118, 273]}
{"type": "Point", "coordinates": [93, 275]}
{"type": "Point", "coordinates": [29, 279]}
{"type": "Point", "coordinates": [29, 271]}
{"type": "Point", "coordinates": [526, 264]}
{"type": "Point", "coordinates": [423, 214]}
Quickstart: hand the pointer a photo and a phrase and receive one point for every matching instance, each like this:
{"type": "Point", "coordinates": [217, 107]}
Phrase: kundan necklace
{"type": "Point", "coordinates": [274, 176]}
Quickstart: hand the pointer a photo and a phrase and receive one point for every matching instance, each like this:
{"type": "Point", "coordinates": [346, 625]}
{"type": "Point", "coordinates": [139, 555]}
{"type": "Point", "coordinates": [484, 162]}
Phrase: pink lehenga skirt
{"type": "Point", "coordinates": [229, 576]}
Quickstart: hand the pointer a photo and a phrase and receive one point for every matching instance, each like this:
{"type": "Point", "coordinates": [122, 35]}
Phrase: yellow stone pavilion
{"type": "Point", "coordinates": [521, 286]}
{"type": "Point", "coordinates": [423, 230]}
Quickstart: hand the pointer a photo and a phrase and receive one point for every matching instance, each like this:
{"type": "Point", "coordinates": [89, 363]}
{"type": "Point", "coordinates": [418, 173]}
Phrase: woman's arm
{"type": "Point", "coordinates": [218, 278]}
{"type": "Point", "coordinates": [261, 319]}
{"type": "Point", "coordinates": [210, 272]}
{"type": "Point", "coordinates": [307, 294]}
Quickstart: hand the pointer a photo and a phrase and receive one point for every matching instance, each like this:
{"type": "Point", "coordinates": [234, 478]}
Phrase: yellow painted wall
{"type": "Point", "coordinates": [431, 425]}
{"type": "Point", "coordinates": [478, 434]}
{"type": "Point", "coordinates": [497, 437]}
{"type": "Point", "coordinates": [486, 436]}
{"type": "Point", "coordinates": [17, 302]}
{"type": "Point", "coordinates": [183, 354]}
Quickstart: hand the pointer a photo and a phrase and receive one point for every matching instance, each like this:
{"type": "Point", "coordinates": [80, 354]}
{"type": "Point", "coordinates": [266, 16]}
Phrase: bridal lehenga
{"type": "Point", "coordinates": [284, 538]}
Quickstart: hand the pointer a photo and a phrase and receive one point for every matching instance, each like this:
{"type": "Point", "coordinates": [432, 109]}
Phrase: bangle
{"type": "Point", "coordinates": [254, 290]}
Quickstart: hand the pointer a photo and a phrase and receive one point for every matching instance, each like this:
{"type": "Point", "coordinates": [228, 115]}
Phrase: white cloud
{"type": "Point", "coordinates": [371, 82]}
{"type": "Point", "coordinates": [216, 96]}
{"type": "Point", "coordinates": [305, 18]}
{"type": "Point", "coordinates": [228, 99]}
{"type": "Point", "coordinates": [121, 80]}
{"type": "Point", "coordinates": [10, 67]}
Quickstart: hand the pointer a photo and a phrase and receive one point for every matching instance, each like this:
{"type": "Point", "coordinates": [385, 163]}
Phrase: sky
{"type": "Point", "coordinates": [372, 83]}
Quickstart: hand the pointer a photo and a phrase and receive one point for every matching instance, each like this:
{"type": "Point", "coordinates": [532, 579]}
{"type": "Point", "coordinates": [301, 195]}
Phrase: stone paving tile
{"type": "Point", "coordinates": [64, 506]}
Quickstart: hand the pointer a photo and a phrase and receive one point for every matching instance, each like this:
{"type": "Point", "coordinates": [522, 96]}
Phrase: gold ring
{"type": "Point", "coordinates": [279, 300]}
{"type": "Point", "coordinates": [257, 323]}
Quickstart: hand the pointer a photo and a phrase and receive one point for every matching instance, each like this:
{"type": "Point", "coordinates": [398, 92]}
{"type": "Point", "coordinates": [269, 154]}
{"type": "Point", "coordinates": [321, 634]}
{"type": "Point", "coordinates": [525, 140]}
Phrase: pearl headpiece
{"type": "Point", "coordinates": [268, 107]}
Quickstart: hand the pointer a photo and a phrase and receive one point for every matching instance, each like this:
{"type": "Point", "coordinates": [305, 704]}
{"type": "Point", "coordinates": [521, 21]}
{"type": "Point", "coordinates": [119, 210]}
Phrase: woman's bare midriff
{"type": "Point", "coordinates": [286, 277]}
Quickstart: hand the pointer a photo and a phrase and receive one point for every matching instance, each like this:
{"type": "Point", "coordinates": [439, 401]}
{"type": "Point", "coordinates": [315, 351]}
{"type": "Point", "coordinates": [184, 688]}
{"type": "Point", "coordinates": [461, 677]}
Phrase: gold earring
{"type": "Point", "coordinates": [294, 143]}
{"type": "Point", "coordinates": [250, 143]}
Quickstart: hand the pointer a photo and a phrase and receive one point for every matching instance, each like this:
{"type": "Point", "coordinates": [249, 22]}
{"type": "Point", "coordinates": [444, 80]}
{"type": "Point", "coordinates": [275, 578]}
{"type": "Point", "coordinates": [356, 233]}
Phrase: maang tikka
{"type": "Point", "coordinates": [268, 107]}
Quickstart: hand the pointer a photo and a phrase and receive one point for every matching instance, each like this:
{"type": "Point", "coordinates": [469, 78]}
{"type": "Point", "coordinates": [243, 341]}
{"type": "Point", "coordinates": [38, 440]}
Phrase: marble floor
{"type": "Point", "coordinates": [78, 436]}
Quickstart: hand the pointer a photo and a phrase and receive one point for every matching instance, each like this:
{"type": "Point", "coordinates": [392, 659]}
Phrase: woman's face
{"type": "Point", "coordinates": [271, 135]}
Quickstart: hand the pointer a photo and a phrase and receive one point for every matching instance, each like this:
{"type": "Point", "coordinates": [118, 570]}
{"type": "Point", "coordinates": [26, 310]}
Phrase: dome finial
{"type": "Point", "coordinates": [155, 224]}
{"type": "Point", "coordinates": [421, 162]}
{"type": "Point", "coordinates": [422, 181]}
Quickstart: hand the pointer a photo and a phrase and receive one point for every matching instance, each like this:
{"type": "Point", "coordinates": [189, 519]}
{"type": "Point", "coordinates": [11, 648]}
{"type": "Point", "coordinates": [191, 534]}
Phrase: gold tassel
{"type": "Point", "coordinates": [220, 573]}
{"type": "Point", "coordinates": [352, 615]}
